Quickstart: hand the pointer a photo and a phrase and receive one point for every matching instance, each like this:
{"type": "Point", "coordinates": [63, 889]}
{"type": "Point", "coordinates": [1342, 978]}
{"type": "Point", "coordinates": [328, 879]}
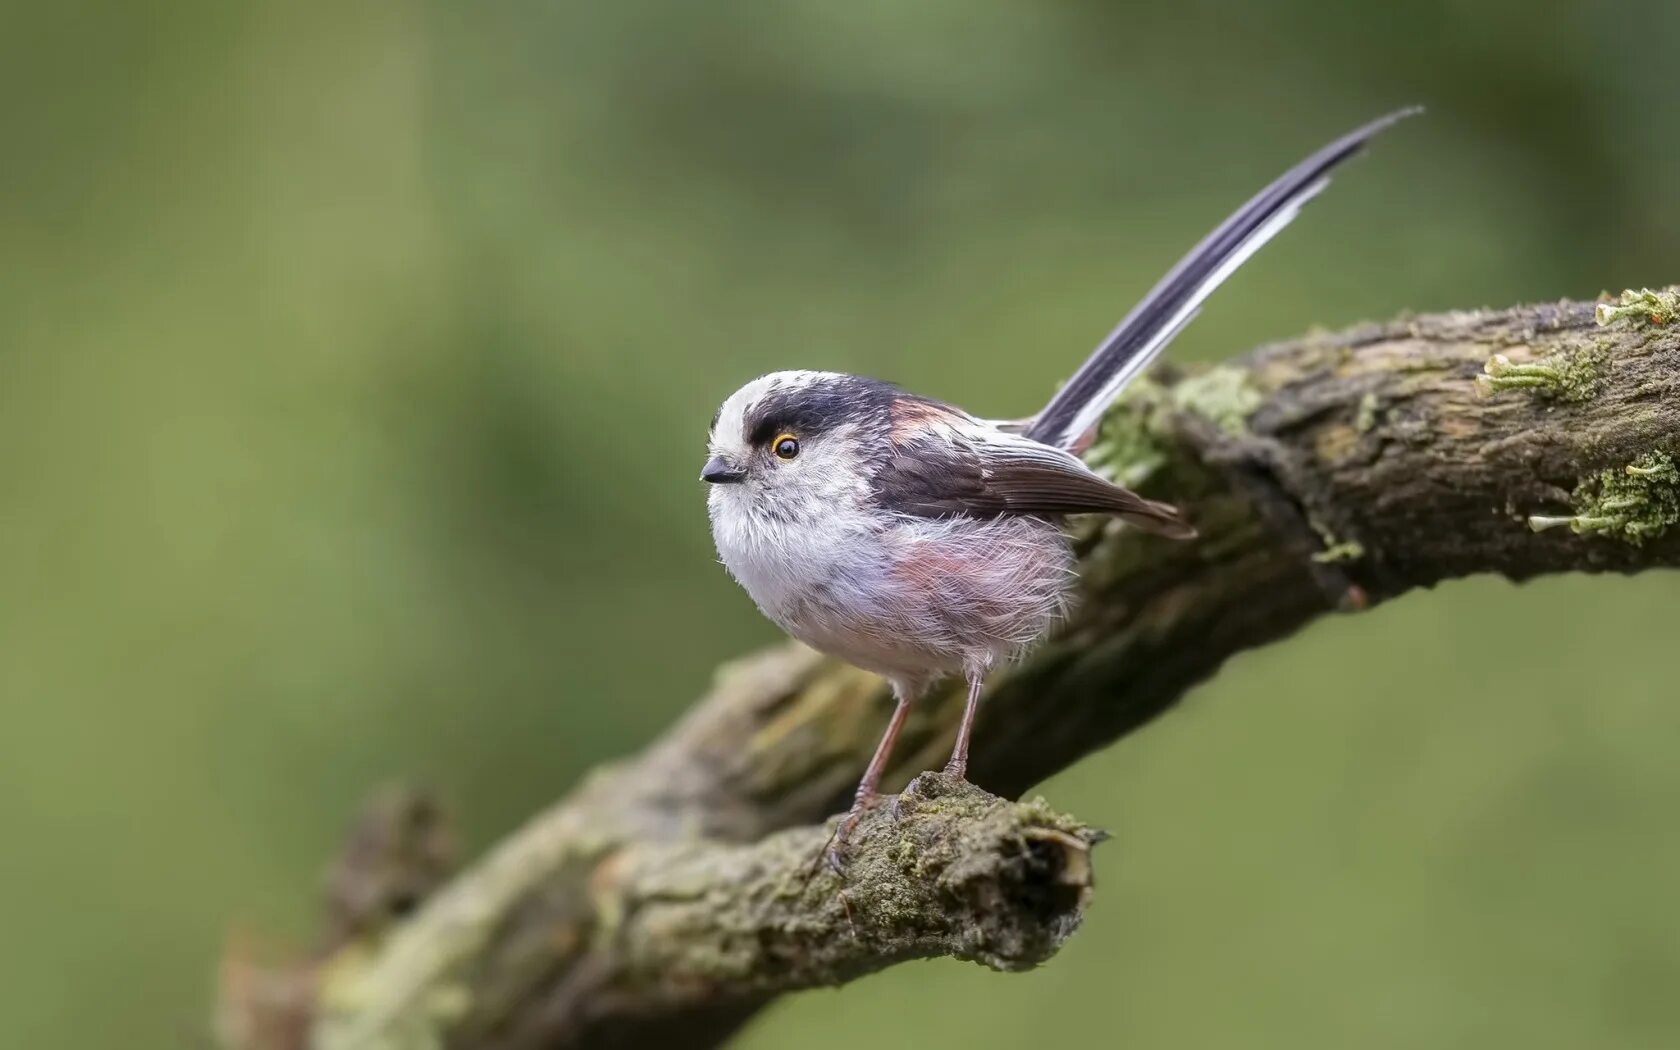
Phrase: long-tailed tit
{"type": "Point", "coordinates": [914, 540]}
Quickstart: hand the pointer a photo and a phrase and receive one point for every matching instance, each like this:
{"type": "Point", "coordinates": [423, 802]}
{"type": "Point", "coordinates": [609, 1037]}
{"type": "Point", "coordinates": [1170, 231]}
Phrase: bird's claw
{"type": "Point", "coordinates": [835, 859]}
{"type": "Point", "coordinates": [899, 806]}
{"type": "Point", "coordinates": [911, 793]}
{"type": "Point", "coordinates": [834, 852]}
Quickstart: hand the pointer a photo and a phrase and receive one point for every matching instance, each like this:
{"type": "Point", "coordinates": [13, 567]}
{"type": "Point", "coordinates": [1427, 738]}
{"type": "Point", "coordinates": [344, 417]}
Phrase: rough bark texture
{"type": "Point", "coordinates": [1326, 473]}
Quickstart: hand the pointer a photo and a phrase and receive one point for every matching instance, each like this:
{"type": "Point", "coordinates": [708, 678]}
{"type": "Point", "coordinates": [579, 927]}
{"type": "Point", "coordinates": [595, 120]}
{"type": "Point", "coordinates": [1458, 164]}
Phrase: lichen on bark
{"type": "Point", "coordinates": [1655, 306]}
{"type": "Point", "coordinates": [1634, 503]}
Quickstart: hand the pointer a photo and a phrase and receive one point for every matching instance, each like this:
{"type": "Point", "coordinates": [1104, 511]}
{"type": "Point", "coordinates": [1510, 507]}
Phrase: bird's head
{"type": "Point", "coordinates": [788, 443]}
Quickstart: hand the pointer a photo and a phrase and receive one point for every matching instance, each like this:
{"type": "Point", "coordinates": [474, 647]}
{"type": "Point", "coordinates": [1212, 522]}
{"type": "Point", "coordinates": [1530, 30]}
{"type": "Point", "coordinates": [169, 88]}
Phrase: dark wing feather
{"type": "Point", "coordinates": [935, 477]}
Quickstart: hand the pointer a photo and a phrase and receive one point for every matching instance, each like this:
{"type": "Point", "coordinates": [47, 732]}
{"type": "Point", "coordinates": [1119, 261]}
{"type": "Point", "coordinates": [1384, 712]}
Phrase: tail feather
{"type": "Point", "coordinates": [1174, 302]}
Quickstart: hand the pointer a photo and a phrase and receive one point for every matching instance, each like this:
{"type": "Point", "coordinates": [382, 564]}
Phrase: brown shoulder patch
{"type": "Point", "coordinates": [913, 417]}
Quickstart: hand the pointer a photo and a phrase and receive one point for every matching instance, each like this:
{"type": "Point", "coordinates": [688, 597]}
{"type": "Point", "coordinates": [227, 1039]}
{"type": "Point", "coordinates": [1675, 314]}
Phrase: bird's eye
{"type": "Point", "coordinates": [786, 446]}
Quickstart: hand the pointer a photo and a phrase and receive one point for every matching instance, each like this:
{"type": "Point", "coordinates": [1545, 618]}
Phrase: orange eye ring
{"type": "Point", "coordinates": [785, 446]}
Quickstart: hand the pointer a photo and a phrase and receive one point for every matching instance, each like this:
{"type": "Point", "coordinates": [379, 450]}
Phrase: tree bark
{"type": "Point", "coordinates": [675, 893]}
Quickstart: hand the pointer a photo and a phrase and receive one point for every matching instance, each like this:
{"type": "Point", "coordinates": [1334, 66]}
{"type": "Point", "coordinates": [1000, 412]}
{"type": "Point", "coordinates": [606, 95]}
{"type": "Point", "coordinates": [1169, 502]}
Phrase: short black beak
{"type": "Point", "coordinates": [720, 471]}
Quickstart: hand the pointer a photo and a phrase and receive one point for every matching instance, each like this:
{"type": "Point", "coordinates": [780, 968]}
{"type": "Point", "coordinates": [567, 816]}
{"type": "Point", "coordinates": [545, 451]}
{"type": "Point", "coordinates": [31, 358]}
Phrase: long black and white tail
{"type": "Point", "coordinates": [1174, 302]}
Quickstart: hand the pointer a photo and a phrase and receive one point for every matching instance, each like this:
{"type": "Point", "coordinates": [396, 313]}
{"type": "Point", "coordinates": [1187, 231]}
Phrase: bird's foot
{"type": "Point", "coordinates": [835, 852]}
{"type": "Point", "coordinates": [905, 801]}
{"type": "Point", "coordinates": [923, 787]}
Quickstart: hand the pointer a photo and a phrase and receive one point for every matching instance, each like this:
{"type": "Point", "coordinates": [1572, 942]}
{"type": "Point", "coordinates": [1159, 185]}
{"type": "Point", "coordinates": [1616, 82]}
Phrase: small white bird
{"type": "Point", "coordinates": [912, 539]}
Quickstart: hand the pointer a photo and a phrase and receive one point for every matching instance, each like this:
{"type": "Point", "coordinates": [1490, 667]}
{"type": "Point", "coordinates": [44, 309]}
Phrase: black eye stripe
{"type": "Point", "coordinates": [818, 407]}
{"type": "Point", "coordinates": [785, 421]}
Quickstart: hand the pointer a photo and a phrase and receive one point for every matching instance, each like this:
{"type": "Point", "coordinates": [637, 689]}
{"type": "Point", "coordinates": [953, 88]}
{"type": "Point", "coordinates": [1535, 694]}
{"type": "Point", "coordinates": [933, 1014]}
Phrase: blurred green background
{"type": "Point", "coordinates": [355, 362]}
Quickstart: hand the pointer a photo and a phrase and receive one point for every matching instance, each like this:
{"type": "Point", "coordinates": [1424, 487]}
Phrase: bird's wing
{"type": "Point", "coordinates": [938, 476]}
{"type": "Point", "coordinates": [1173, 303]}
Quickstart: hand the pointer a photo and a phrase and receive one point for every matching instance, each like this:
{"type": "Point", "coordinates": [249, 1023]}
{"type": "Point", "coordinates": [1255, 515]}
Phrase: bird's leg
{"type": "Point", "coordinates": [868, 789]}
{"type": "Point", "coordinates": [958, 766]}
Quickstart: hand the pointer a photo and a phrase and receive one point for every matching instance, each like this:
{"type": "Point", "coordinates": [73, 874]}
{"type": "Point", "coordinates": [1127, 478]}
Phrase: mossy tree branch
{"type": "Point", "coordinates": [1327, 473]}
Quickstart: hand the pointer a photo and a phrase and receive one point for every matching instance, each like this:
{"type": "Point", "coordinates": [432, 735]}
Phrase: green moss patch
{"type": "Point", "coordinates": [1222, 395]}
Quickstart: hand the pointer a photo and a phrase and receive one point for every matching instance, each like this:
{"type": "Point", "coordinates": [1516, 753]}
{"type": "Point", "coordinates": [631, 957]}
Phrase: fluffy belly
{"type": "Point", "coordinates": [983, 590]}
{"type": "Point", "coordinates": [922, 598]}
